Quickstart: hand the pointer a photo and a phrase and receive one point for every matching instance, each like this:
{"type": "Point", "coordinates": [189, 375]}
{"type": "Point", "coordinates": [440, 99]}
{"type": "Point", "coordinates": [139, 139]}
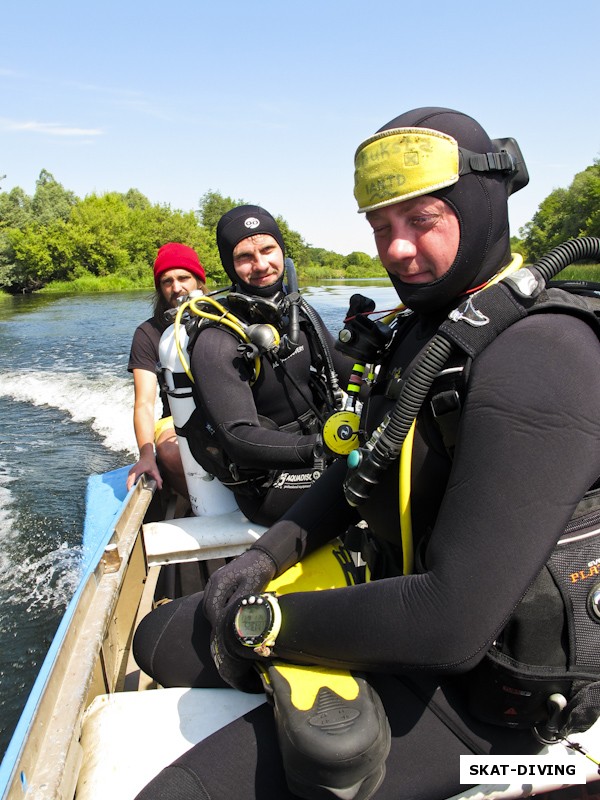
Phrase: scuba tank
{"type": "Point", "coordinates": [208, 496]}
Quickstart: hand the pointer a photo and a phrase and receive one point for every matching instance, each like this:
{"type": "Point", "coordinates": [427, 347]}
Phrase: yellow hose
{"type": "Point", "coordinates": [406, 453]}
{"type": "Point", "coordinates": [408, 558]}
{"type": "Point", "coordinates": [224, 317]}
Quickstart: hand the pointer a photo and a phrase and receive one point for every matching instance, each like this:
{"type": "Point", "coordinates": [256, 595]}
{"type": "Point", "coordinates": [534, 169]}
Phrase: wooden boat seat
{"type": "Point", "coordinates": [199, 538]}
{"type": "Point", "coordinates": [128, 737]}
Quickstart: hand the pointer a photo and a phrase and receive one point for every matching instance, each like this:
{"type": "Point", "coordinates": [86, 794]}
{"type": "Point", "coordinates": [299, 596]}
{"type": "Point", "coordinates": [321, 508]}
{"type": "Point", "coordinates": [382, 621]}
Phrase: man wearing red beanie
{"type": "Point", "coordinates": [177, 271]}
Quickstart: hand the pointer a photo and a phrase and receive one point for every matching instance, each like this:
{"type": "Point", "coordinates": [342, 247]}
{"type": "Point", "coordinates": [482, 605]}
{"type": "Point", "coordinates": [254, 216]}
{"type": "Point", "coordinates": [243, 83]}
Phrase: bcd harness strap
{"type": "Point", "coordinates": [501, 309]}
{"type": "Point", "coordinates": [201, 433]}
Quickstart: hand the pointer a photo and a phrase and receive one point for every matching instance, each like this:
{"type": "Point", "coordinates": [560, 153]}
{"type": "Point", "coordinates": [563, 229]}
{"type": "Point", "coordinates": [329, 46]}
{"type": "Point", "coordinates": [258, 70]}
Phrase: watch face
{"type": "Point", "coordinates": [252, 621]}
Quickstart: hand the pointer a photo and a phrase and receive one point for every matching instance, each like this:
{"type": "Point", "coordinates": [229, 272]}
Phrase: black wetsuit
{"type": "Point", "coordinates": [268, 425]}
{"type": "Point", "coordinates": [527, 451]}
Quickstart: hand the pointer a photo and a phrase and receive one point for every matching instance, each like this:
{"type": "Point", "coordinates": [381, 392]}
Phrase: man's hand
{"type": "Point", "coordinates": [249, 573]}
{"type": "Point", "coordinates": [145, 466]}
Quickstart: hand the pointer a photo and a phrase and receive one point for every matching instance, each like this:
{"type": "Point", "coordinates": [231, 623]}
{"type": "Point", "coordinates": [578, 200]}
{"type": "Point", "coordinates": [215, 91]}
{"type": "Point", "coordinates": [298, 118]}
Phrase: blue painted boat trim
{"type": "Point", "coordinates": [105, 497]}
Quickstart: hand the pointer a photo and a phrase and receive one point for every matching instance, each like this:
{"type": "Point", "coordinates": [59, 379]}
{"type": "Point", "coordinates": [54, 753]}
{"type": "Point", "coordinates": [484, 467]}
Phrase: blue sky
{"type": "Point", "coordinates": [267, 101]}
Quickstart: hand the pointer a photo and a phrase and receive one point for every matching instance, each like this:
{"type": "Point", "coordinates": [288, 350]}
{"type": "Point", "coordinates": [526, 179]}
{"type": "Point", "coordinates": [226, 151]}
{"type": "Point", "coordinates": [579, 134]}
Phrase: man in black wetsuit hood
{"type": "Point", "coordinates": [444, 154]}
{"type": "Point", "coordinates": [239, 232]}
{"type": "Point", "coordinates": [266, 426]}
{"type": "Point", "coordinates": [484, 518]}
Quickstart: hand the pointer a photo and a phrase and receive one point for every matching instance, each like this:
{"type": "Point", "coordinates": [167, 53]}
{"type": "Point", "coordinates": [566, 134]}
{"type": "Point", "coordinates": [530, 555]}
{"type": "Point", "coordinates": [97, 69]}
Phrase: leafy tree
{"type": "Point", "coordinates": [295, 246]}
{"type": "Point", "coordinates": [212, 207]}
{"type": "Point", "coordinates": [565, 214]}
{"type": "Point", "coordinates": [319, 257]}
{"type": "Point", "coordinates": [110, 234]}
{"type": "Point", "coordinates": [51, 201]}
{"type": "Point", "coordinates": [135, 199]}
{"type": "Point", "coordinates": [517, 246]}
{"type": "Point", "coordinates": [360, 265]}
{"type": "Point", "coordinates": [15, 209]}
{"type": "Point", "coordinates": [40, 254]}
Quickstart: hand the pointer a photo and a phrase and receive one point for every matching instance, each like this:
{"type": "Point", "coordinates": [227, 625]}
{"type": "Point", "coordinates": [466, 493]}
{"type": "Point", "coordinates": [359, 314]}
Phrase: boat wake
{"type": "Point", "coordinates": [37, 580]}
{"type": "Point", "coordinates": [103, 401]}
{"type": "Point", "coordinates": [40, 557]}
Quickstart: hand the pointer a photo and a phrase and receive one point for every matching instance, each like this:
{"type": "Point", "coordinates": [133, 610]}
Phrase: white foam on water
{"type": "Point", "coordinates": [6, 501]}
{"type": "Point", "coordinates": [37, 581]}
{"type": "Point", "coordinates": [41, 582]}
{"type": "Point", "coordinates": [103, 401]}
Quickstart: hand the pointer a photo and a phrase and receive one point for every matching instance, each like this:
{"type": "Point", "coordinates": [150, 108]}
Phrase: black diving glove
{"type": "Point", "coordinates": [249, 573]}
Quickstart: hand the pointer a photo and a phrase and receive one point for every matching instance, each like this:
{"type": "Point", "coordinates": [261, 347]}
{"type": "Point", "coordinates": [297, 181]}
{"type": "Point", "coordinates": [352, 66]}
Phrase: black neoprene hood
{"type": "Point", "coordinates": [240, 223]}
{"type": "Point", "coordinates": [480, 202]}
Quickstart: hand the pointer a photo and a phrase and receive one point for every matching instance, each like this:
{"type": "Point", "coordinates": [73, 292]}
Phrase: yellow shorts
{"type": "Point", "coordinates": [163, 425]}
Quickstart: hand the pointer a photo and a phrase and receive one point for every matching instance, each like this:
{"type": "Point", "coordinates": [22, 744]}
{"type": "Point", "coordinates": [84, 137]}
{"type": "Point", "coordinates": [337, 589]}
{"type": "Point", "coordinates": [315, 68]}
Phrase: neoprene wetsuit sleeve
{"type": "Point", "coordinates": [319, 515]}
{"type": "Point", "coordinates": [527, 452]}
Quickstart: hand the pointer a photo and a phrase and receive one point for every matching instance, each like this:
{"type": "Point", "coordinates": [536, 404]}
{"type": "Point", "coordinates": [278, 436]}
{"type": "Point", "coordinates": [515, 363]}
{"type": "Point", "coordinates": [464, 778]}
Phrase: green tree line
{"type": "Point", "coordinates": [54, 238]}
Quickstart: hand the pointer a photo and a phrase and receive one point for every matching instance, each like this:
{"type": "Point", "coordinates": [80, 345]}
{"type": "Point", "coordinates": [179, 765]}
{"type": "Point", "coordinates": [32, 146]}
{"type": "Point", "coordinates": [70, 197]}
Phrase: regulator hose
{"type": "Point", "coordinates": [566, 253]}
{"type": "Point", "coordinates": [366, 465]}
{"type": "Point", "coordinates": [332, 377]}
{"type": "Point", "coordinates": [291, 340]}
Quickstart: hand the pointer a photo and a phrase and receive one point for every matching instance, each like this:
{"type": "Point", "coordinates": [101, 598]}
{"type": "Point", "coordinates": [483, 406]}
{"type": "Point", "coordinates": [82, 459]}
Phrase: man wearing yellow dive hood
{"type": "Point", "coordinates": [491, 494]}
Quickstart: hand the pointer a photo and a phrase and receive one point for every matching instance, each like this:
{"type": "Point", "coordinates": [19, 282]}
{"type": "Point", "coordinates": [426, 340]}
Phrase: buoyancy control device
{"type": "Point", "coordinates": [546, 680]}
{"type": "Point", "coordinates": [209, 474]}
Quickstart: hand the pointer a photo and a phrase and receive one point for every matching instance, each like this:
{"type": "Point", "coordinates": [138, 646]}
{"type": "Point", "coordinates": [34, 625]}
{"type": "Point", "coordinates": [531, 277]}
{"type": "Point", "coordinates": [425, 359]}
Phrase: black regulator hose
{"type": "Point", "coordinates": [291, 339]}
{"type": "Point", "coordinates": [314, 321]}
{"type": "Point", "coordinates": [366, 465]}
{"type": "Point", "coordinates": [566, 253]}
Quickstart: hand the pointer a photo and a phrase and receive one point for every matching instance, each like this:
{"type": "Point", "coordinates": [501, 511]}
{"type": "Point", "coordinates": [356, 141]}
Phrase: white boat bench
{"type": "Point", "coordinates": [199, 538]}
{"type": "Point", "coordinates": [129, 737]}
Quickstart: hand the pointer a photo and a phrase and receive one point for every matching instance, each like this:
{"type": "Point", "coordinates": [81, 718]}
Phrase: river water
{"type": "Point", "coordinates": [66, 403]}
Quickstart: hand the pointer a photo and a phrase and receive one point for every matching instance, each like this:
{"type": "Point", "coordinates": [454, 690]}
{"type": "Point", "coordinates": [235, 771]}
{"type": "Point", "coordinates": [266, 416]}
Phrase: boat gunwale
{"type": "Point", "coordinates": [51, 720]}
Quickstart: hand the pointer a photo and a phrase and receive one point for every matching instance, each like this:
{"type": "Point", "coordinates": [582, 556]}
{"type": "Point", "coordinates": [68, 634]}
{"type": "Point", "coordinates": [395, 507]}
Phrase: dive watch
{"type": "Point", "coordinates": [257, 622]}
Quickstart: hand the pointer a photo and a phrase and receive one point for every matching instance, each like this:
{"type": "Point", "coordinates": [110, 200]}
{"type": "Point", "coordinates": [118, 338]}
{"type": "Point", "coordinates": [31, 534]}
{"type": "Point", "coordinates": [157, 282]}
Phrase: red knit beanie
{"type": "Point", "coordinates": [173, 255]}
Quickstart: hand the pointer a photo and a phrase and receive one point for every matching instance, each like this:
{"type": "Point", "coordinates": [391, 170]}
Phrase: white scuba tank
{"type": "Point", "coordinates": [208, 496]}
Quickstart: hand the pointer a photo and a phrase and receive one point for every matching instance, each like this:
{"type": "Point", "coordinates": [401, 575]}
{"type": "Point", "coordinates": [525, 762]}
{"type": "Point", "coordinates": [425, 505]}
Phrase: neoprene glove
{"type": "Point", "coordinates": [249, 573]}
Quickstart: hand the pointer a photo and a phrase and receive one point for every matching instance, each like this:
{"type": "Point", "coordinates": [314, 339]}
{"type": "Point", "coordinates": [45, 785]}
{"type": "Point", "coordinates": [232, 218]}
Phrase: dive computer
{"type": "Point", "coordinates": [257, 622]}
